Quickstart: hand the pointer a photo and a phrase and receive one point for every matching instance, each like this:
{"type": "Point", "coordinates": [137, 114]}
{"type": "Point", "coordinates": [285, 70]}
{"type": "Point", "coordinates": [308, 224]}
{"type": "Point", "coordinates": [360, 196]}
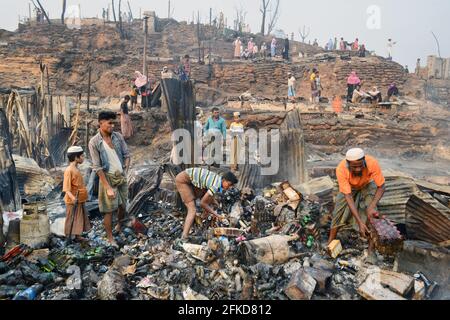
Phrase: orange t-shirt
{"type": "Point", "coordinates": [348, 182]}
{"type": "Point", "coordinates": [73, 182]}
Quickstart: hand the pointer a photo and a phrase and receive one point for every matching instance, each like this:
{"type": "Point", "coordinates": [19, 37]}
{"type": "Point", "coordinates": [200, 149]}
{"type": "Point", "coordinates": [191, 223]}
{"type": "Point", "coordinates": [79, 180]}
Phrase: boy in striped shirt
{"type": "Point", "coordinates": [196, 183]}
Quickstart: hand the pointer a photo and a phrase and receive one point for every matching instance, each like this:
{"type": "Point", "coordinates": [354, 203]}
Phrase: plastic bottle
{"type": "Point", "coordinates": [310, 241]}
{"type": "Point", "coordinates": [30, 293]}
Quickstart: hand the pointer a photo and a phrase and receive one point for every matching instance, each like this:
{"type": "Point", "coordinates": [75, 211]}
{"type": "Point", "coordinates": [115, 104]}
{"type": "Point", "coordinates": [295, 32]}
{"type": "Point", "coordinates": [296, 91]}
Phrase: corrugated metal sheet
{"type": "Point", "coordinates": [427, 219]}
{"type": "Point", "coordinates": [178, 98]}
{"type": "Point", "coordinates": [393, 204]}
{"type": "Point", "coordinates": [291, 155]}
{"type": "Point", "coordinates": [398, 191]}
{"type": "Point", "coordinates": [34, 182]}
{"type": "Point", "coordinates": [250, 177]}
{"type": "Point", "coordinates": [58, 145]}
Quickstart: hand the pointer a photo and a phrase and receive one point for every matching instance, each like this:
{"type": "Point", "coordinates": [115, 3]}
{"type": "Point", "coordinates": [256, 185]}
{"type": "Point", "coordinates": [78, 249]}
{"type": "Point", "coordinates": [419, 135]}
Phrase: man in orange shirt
{"type": "Point", "coordinates": [361, 186]}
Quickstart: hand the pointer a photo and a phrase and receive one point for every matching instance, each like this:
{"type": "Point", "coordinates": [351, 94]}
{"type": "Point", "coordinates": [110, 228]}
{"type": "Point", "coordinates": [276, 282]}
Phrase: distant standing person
{"type": "Point", "coordinates": [318, 86]}
{"type": "Point", "coordinates": [255, 51]}
{"type": "Point", "coordinates": [286, 49]}
{"type": "Point", "coordinates": [237, 48]}
{"type": "Point", "coordinates": [125, 121]}
{"type": "Point", "coordinates": [352, 82]}
{"type": "Point", "coordinates": [263, 51]}
{"type": "Point", "coordinates": [418, 67]}
{"type": "Point", "coordinates": [273, 47]}
{"type": "Point", "coordinates": [187, 66]}
{"type": "Point", "coordinates": [362, 51]}
{"type": "Point", "coordinates": [355, 46]}
{"type": "Point", "coordinates": [250, 46]}
{"type": "Point", "coordinates": [330, 44]}
{"type": "Point", "coordinates": [76, 196]}
{"type": "Point", "coordinates": [215, 125]}
{"type": "Point", "coordinates": [133, 95]}
{"type": "Point", "coordinates": [291, 86]}
{"type": "Point", "coordinates": [110, 161]}
{"type": "Point", "coordinates": [390, 47]}
{"type": "Point", "coordinates": [342, 45]}
{"type": "Point", "coordinates": [313, 83]}
{"type": "Point", "coordinates": [237, 135]}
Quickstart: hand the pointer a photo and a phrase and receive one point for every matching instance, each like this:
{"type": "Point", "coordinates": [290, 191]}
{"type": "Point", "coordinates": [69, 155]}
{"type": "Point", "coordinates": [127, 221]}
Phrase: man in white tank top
{"type": "Point", "coordinates": [111, 160]}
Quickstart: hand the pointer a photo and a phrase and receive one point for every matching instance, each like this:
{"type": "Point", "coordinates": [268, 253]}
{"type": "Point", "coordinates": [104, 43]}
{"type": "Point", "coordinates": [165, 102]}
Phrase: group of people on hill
{"type": "Point", "coordinates": [141, 86]}
{"type": "Point", "coordinates": [355, 94]}
{"type": "Point", "coordinates": [253, 51]}
{"type": "Point", "coordinates": [315, 83]}
{"type": "Point", "coordinates": [344, 45]}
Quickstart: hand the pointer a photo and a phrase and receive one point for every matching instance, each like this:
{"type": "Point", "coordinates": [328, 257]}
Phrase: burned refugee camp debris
{"type": "Point", "coordinates": [239, 175]}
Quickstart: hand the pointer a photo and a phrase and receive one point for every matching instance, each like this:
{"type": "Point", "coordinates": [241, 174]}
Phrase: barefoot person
{"type": "Point", "coordinates": [361, 186]}
{"type": "Point", "coordinates": [199, 183]}
{"type": "Point", "coordinates": [111, 160]}
{"type": "Point", "coordinates": [76, 196]}
{"type": "Point", "coordinates": [125, 121]}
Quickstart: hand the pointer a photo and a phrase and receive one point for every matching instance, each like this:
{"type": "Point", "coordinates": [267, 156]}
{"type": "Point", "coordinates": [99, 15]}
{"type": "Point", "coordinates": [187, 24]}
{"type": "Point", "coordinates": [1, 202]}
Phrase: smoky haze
{"type": "Point", "coordinates": [409, 22]}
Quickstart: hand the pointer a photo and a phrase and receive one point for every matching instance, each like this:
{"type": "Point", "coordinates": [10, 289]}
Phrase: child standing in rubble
{"type": "Point", "coordinates": [76, 195]}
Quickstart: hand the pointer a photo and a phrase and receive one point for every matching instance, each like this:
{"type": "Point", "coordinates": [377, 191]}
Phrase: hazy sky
{"type": "Point", "coordinates": [409, 22]}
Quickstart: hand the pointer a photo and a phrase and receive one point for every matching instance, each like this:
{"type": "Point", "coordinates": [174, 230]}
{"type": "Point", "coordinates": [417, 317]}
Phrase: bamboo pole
{"type": "Point", "coordinates": [74, 134]}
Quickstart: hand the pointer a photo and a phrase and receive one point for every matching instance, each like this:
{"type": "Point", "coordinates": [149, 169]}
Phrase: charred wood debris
{"type": "Point", "coordinates": [273, 247]}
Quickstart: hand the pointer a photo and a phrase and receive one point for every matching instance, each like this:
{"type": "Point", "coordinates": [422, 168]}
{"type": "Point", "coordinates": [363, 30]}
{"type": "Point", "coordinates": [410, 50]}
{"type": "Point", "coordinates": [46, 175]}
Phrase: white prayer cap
{"type": "Point", "coordinates": [74, 149]}
{"type": "Point", "coordinates": [237, 114]}
{"type": "Point", "coordinates": [355, 154]}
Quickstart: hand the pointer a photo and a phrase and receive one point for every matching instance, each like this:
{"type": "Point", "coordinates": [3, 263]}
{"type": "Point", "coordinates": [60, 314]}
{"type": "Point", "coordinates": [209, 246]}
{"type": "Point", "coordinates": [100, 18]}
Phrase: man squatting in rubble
{"type": "Point", "coordinates": [199, 183]}
{"type": "Point", "coordinates": [110, 160]}
{"type": "Point", "coordinates": [361, 186]}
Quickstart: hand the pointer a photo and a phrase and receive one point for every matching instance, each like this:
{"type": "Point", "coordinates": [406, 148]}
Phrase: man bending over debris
{"type": "Point", "coordinates": [111, 160]}
{"type": "Point", "coordinates": [196, 183]}
{"type": "Point", "coordinates": [361, 186]}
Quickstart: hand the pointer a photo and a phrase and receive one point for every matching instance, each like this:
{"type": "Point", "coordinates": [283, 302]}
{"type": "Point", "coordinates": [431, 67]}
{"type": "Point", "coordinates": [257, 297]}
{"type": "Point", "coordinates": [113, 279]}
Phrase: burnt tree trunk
{"type": "Point", "coordinates": [9, 196]}
{"type": "Point", "coordinates": [64, 3]}
{"type": "Point", "coordinates": [114, 11]}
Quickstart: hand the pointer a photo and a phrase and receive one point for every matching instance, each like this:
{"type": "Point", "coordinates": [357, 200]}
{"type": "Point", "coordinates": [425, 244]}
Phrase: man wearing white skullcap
{"type": "Point", "coordinates": [361, 186]}
{"type": "Point", "coordinates": [237, 133]}
{"type": "Point", "coordinates": [76, 195]}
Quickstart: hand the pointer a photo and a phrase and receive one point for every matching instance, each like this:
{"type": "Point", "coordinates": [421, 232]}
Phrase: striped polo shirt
{"type": "Point", "coordinates": [205, 179]}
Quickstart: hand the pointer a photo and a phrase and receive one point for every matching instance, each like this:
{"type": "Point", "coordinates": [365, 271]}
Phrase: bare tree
{"type": "Point", "coordinates": [114, 11]}
{"type": "Point", "coordinates": [274, 17]}
{"type": "Point", "coordinates": [170, 11]}
{"type": "Point", "coordinates": [263, 9]}
{"type": "Point", "coordinates": [437, 43]}
{"type": "Point", "coordinates": [64, 2]}
{"type": "Point", "coordinates": [120, 25]}
{"type": "Point", "coordinates": [304, 34]}
{"type": "Point", "coordinates": [240, 17]}
{"type": "Point", "coordinates": [130, 11]}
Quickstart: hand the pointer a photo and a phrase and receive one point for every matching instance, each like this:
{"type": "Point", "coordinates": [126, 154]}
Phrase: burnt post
{"type": "Point", "coordinates": [89, 88]}
{"type": "Point", "coordinates": [198, 37]}
{"type": "Point", "coordinates": [144, 68]}
{"type": "Point", "coordinates": [43, 12]}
